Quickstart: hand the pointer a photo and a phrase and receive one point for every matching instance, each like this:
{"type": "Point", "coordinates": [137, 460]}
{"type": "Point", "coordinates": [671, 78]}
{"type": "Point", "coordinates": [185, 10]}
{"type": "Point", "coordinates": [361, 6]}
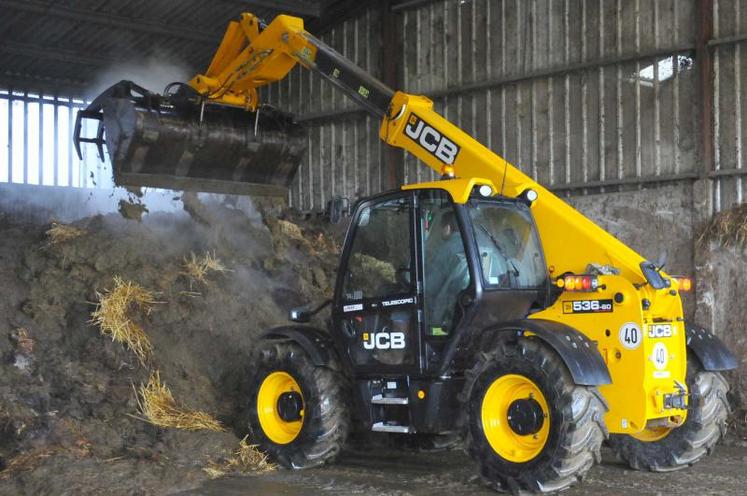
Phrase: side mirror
{"type": "Point", "coordinates": [661, 261]}
{"type": "Point", "coordinates": [303, 314]}
{"type": "Point", "coordinates": [337, 207]}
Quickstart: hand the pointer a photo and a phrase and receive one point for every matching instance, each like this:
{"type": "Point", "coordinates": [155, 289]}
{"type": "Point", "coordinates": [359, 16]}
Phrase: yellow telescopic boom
{"type": "Point", "coordinates": [250, 57]}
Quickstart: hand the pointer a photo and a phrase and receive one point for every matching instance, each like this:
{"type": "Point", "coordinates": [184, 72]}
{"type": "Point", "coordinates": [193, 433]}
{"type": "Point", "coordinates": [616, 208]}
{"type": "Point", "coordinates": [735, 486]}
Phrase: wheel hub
{"type": "Point", "coordinates": [525, 416]}
{"type": "Point", "coordinates": [280, 407]}
{"type": "Point", "coordinates": [515, 418]}
{"type": "Point", "coordinates": [289, 406]}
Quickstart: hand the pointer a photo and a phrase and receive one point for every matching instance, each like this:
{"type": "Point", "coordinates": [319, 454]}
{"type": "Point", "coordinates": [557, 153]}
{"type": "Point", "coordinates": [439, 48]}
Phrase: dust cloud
{"type": "Point", "coordinates": [152, 73]}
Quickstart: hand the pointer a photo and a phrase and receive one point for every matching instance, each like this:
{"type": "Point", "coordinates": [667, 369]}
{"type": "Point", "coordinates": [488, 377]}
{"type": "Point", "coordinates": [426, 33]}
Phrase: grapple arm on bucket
{"type": "Point", "coordinates": [94, 111]}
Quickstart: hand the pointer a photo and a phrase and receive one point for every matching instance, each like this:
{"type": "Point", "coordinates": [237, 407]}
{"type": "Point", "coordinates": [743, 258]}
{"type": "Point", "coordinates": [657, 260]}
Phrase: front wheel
{"type": "Point", "coordinates": [297, 411]}
{"type": "Point", "coordinates": [667, 449]}
{"type": "Point", "coordinates": [528, 425]}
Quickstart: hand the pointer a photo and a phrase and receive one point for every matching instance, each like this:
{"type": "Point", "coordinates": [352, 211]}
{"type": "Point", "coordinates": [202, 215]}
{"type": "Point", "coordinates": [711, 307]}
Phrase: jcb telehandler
{"type": "Point", "coordinates": [480, 304]}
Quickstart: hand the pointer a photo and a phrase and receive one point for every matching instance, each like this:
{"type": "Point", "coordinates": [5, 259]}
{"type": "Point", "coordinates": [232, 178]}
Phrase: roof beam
{"type": "Point", "coordinates": [112, 20]}
{"type": "Point", "coordinates": [296, 7]}
{"type": "Point", "coordinates": [46, 86]}
{"type": "Point", "coordinates": [58, 54]}
{"type": "Point", "coordinates": [337, 11]}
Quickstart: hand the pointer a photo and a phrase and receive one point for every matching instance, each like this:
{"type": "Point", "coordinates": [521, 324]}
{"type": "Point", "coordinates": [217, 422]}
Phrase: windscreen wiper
{"type": "Point", "coordinates": [500, 250]}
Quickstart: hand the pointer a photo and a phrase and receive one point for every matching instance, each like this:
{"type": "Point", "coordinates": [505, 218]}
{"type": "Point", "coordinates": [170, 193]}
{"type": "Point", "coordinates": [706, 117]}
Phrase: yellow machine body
{"type": "Point", "coordinates": [642, 374]}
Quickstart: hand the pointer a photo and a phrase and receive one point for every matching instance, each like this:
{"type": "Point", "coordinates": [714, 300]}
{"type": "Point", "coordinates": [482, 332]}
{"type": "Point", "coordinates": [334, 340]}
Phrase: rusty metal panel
{"type": "Point", "coordinates": [729, 113]}
{"type": "Point", "coordinates": [583, 95]}
{"type": "Point", "coordinates": [573, 92]}
{"type": "Point", "coordinates": [343, 153]}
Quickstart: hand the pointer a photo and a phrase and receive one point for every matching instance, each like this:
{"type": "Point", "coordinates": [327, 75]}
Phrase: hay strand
{"type": "Point", "coordinates": [60, 233]}
{"type": "Point", "coordinates": [198, 268]}
{"type": "Point", "coordinates": [729, 228]}
{"type": "Point", "coordinates": [112, 315]}
{"type": "Point", "coordinates": [26, 462]}
{"type": "Point", "coordinates": [24, 342]}
{"type": "Point", "coordinates": [158, 406]}
{"type": "Point", "coordinates": [246, 459]}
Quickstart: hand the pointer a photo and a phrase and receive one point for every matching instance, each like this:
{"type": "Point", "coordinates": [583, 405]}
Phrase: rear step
{"type": "Point", "coordinates": [383, 400]}
{"type": "Point", "coordinates": [398, 429]}
{"type": "Point", "coordinates": [181, 142]}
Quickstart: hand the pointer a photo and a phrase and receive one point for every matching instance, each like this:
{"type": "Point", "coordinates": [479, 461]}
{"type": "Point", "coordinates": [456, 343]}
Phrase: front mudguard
{"type": "Point", "coordinates": [315, 342]}
{"type": "Point", "coordinates": [712, 353]}
{"type": "Point", "coordinates": [579, 354]}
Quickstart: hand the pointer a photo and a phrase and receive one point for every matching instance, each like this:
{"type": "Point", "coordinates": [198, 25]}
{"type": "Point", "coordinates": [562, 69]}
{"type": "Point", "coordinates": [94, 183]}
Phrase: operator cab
{"type": "Point", "coordinates": [419, 271]}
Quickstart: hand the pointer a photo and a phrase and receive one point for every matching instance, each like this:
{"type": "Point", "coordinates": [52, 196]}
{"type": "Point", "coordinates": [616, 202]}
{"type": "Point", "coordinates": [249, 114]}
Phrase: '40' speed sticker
{"type": "Point", "coordinates": [630, 335]}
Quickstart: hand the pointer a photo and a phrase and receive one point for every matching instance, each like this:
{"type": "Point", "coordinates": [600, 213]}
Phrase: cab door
{"type": "Point", "coordinates": [376, 302]}
{"type": "Point", "coordinates": [445, 270]}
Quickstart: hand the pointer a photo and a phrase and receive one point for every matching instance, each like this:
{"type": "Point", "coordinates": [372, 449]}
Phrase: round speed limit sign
{"type": "Point", "coordinates": [630, 335]}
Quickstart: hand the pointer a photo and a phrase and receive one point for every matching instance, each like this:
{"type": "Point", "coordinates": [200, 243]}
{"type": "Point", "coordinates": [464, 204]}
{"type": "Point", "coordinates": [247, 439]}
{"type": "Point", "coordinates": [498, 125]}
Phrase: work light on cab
{"type": "Point", "coordinates": [571, 282]}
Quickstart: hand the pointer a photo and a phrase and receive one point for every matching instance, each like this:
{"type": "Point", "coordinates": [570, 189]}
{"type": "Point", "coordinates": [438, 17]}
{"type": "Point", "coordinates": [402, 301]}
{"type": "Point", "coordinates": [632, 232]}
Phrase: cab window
{"type": "Point", "coordinates": [445, 267]}
{"type": "Point", "coordinates": [508, 246]}
{"type": "Point", "coordinates": [380, 262]}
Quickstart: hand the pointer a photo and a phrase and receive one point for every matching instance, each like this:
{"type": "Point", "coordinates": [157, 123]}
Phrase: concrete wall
{"type": "Point", "coordinates": [721, 290]}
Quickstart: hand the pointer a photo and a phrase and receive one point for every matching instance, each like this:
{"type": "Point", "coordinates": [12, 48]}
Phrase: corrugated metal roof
{"type": "Point", "coordinates": [65, 46]}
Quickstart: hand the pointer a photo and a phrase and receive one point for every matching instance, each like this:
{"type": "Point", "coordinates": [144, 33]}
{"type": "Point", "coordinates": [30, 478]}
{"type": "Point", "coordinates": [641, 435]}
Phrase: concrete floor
{"type": "Point", "coordinates": [451, 473]}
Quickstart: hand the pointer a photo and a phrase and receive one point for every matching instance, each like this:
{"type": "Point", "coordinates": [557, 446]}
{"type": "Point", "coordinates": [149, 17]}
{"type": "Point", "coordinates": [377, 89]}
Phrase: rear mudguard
{"type": "Point", "coordinates": [711, 351]}
{"type": "Point", "coordinates": [579, 354]}
{"type": "Point", "coordinates": [315, 342]}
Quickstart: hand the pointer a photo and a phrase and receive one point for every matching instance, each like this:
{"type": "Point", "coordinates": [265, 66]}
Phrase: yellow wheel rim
{"type": "Point", "coordinates": [504, 440]}
{"type": "Point", "coordinates": [652, 435]}
{"type": "Point", "coordinates": [275, 428]}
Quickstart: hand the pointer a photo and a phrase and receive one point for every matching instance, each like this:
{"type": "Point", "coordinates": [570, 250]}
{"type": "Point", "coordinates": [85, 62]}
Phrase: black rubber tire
{"type": "Point", "coordinates": [577, 428]}
{"type": "Point", "coordinates": [697, 437]}
{"type": "Point", "coordinates": [326, 422]}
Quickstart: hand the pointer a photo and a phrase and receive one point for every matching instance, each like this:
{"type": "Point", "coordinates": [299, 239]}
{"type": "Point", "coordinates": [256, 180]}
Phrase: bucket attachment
{"type": "Point", "coordinates": [180, 142]}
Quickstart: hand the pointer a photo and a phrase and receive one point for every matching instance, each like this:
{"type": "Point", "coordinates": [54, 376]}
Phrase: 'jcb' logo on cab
{"type": "Point", "coordinates": [384, 340]}
{"type": "Point", "coordinates": [431, 140]}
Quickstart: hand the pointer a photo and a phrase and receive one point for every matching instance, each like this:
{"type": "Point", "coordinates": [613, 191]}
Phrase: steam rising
{"type": "Point", "coordinates": [152, 73]}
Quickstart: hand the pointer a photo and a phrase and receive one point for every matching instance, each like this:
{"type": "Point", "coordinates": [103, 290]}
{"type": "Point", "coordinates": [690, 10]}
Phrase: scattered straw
{"type": "Point", "coordinates": [246, 459]}
{"type": "Point", "coordinates": [24, 342]}
{"type": "Point", "coordinates": [728, 228]}
{"type": "Point", "coordinates": [157, 405]}
{"type": "Point", "coordinates": [59, 233]}
{"type": "Point", "coordinates": [289, 229]}
{"type": "Point", "coordinates": [316, 244]}
{"type": "Point", "coordinates": [25, 462]}
{"type": "Point", "coordinates": [112, 315]}
{"type": "Point", "coordinates": [198, 268]}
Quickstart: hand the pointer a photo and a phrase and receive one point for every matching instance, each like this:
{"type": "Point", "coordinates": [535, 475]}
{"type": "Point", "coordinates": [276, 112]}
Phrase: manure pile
{"type": "Point", "coordinates": [125, 344]}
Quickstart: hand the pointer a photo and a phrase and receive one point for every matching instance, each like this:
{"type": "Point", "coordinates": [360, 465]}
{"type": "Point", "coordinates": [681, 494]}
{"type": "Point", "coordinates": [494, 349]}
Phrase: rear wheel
{"type": "Point", "coordinates": [528, 425]}
{"type": "Point", "coordinates": [665, 449]}
{"type": "Point", "coordinates": [297, 411]}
